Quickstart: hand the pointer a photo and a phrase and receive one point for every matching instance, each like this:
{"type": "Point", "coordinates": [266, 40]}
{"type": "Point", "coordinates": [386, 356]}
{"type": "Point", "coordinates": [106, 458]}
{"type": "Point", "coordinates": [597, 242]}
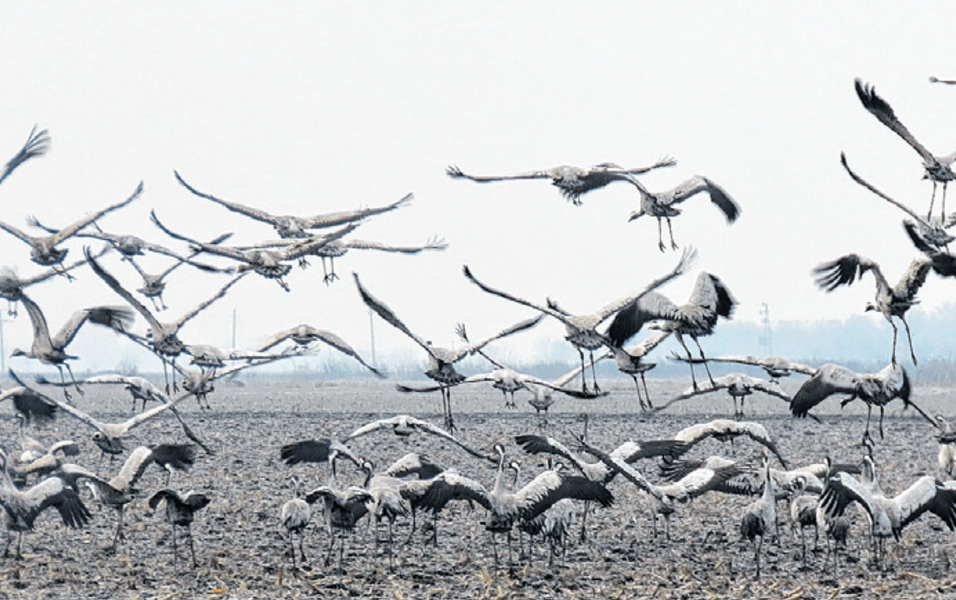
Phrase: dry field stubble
{"type": "Point", "coordinates": [242, 552]}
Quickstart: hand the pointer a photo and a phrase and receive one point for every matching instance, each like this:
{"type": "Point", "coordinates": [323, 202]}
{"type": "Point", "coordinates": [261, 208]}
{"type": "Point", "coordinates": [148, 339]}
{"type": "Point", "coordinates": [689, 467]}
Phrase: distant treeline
{"type": "Point", "coordinates": [860, 342]}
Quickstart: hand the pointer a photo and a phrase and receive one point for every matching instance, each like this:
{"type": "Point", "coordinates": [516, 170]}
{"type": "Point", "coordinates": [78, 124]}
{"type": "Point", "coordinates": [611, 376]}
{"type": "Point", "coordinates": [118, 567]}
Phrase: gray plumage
{"type": "Point", "coordinates": [709, 300]}
{"type": "Point", "coordinates": [875, 389]}
{"type": "Point", "coordinates": [51, 349]}
{"type": "Point", "coordinates": [405, 425]}
{"type": "Point", "coordinates": [760, 517]}
{"type": "Point", "coordinates": [22, 507]}
{"type": "Point", "coordinates": [663, 205]}
{"type": "Point", "coordinates": [725, 430]}
{"type": "Point", "coordinates": [936, 168]}
{"type": "Point", "coordinates": [290, 226]}
{"type": "Point", "coordinates": [931, 229]}
{"type": "Point", "coordinates": [737, 385]}
{"type": "Point", "coordinates": [38, 142]}
{"type": "Point", "coordinates": [573, 181]}
{"type": "Point", "coordinates": [441, 361]}
{"type": "Point", "coordinates": [890, 301]}
{"type": "Point", "coordinates": [303, 335]}
{"type": "Point", "coordinates": [44, 250]}
{"type": "Point", "coordinates": [581, 329]}
{"type": "Point", "coordinates": [181, 510]}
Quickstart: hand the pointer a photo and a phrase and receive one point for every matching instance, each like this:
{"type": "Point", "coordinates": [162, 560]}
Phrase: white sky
{"type": "Point", "coordinates": [311, 107]}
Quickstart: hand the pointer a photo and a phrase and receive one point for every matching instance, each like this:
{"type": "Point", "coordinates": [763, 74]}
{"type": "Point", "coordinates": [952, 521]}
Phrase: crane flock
{"type": "Point", "coordinates": [544, 506]}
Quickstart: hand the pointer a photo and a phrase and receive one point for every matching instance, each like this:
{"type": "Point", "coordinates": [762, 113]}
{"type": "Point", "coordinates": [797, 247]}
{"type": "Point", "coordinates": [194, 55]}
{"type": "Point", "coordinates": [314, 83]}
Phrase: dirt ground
{"type": "Point", "coordinates": [242, 549]}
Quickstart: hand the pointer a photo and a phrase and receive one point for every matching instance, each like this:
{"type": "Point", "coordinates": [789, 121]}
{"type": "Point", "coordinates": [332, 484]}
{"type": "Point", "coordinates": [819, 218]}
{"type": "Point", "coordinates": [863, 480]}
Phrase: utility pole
{"type": "Point", "coordinates": [371, 333]}
{"type": "Point", "coordinates": [766, 338]}
{"type": "Point", "coordinates": [3, 351]}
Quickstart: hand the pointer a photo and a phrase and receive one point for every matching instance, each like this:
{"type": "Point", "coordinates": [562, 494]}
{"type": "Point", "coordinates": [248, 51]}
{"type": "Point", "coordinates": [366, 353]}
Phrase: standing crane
{"type": "Point", "coordinates": [540, 494]}
{"type": "Point", "coordinates": [181, 510]}
{"type": "Point", "coordinates": [760, 517]}
{"type": "Point", "coordinates": [295, 515]}
{"type": "Point", "coordinates": [946, 459]}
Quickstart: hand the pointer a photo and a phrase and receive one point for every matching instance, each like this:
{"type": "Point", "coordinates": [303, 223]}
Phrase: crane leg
{"type": "Point", "coordinates": [660, 234]}
{"type": "Point", "coordinates": [703, 359]}
{"type": "Point", "coordinates": [584, 519]}
{"type": "Point", "coordinates": [192, 549]}
{"type": "Point", "coordinates": [670, 230]}
{"type": "Point", "coordinates": [597, 388]}
{"type": "Point", "coordinates": [640, 399]}
{"type": "Point", "coordinates": [647, 395]}
{"type": "Point", "coordinates": [932, 200]}
{"type": "Point", "coordinates": [172, 533]}
{"type": "Point", "coordinates": [690, 361]}
{"type": "Point", "coordinates": [119, 530]}
{"type": "Point", "coordinates": [292, 549]}
{"type": "Point", "coordinates": [757, 547]}
{"type": "Point", "coordinates": [494, 547]}
{"type": "Point", "coordinates": [895, 331]}
{"type": "Point", "coordinates": [942, 212]}
{"type": "Point", "coordinates": [909, 340]}
{"type": "Point", "coordinates": [584, 377]}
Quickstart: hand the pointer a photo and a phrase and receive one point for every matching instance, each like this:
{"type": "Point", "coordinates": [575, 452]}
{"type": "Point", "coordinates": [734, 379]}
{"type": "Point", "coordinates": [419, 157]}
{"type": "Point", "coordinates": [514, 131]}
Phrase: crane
{"type": "Point", "coordinates": [874, 389]}
{"type": "Point", "coordinates": [581, 330]}
{"type": "Point", "coordinates": [51, 349]}
{"type": "Point", "coordinates": [760, 516]}
{"type": "Point", "coordinates": [573, 181]}
{"type": "Point", "coordinates": [22, 507]}
{"type": "Point", "coordinates": [181, 510]}
{"type": "Point", "coordinates": [890, 301]}
{"type": "Point", "coordinates": [662, 205]}
{"type": "Point", "coordinates": [290, 226]}
{"type": "Point", "coordinates": [441, 361]}
{"type": "Point", "coordinates": [738, 385]}
{"type": "Point", "coordinates": [936, 168]}
{"type": "Point", "coordinates": [709, 300]}
{"type": "Point", "coordinates": [43, 249]}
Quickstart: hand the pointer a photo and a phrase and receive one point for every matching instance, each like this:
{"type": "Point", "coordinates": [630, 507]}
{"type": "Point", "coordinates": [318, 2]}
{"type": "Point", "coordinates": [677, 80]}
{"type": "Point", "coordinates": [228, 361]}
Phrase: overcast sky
{"type": "Point", "coordinates": [312, 107]}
